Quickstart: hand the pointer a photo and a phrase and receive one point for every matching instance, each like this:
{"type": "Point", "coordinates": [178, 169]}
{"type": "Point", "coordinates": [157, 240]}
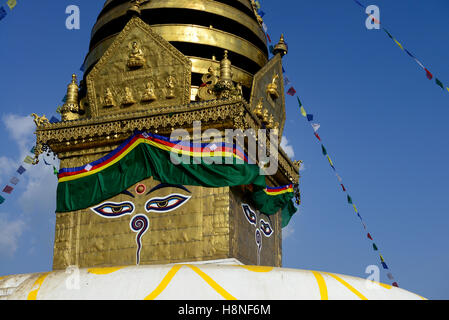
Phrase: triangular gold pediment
{"type": "Point", "coordinates": [268, 87]}
{"type": "Point", "coordinates": [139, 71]}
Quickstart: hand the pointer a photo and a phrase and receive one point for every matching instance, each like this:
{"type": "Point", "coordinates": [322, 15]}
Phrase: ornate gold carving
{"type": "Point", "coordinates": [207, 90]}
{"type": "Point", "coordinates": [149, 94]}
{"type": "Point", "coordinates": [268, 83]}
{"type": "Point", "coordinates": [108, 99]}
{"type": "Point", "coordinates": [112, 73]}
{"type": "Point", "coordinates": [39, 121]}
{"type": "Point", "coordinates": [136, 58]}
{"type": "Point", "coordinates": [272, 88]}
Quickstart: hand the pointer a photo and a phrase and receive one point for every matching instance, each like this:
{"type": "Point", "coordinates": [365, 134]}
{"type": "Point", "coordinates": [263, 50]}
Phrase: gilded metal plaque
{"type": "Point", "coordinates": [139, 71]}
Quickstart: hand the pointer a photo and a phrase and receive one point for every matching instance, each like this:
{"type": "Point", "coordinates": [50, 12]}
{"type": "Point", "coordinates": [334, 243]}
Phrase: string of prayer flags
{"type": "Point", "coordinates": [292, 92]}
{"type": "Point", "coordinates": [429, 75]}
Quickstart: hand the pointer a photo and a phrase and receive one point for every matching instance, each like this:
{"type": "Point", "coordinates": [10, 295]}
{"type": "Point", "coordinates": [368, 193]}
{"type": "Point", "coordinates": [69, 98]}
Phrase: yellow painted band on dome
{"type": "Point", "coordinates": [321, 285]}
{"type": "Point", "coordinates": [257, 268]}
{"type": "Point", "coordinates": [347, 285]}
{"type": "Point", "coordinates": [164, 283]}
{"type": "Point", "coordinates": [213, 284]}
{"type": "Point", "coordinates": [32, 295]}
{"type": "Point", "coordinates": [101, 271]}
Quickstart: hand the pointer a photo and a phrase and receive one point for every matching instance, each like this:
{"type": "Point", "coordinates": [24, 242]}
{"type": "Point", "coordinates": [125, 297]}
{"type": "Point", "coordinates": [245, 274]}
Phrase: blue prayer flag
{"type": "Point", "coordinates": [384, 265]}
{"type": "Point", "coordinates": [310, 117]}
{"type": "Point", "coordinates": [54, 119]}
{"type": "Point", "coordinates": [2, 13]}
{"type": "Point", "coordinates": [21, 170]}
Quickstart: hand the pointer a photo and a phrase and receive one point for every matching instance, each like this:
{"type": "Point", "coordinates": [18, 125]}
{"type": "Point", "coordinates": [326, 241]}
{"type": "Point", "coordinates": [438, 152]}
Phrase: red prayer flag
{"type": "Point", "coordinates": [8, 189]}
{"type": "Point", "coordinates": [318, 137]}
{"type": "Point", "coordinates": [369, 236]}
{"type": "Point", "coordinates": [343, 187]}
{"type": "Point", "coordinates": [395, 284]}
{"type": "Point", "coordinates": [291, 91]}
{"type": "Point", "coordinates": [429, 75]}
{"type": "Point", "coordinates": [269, 39]}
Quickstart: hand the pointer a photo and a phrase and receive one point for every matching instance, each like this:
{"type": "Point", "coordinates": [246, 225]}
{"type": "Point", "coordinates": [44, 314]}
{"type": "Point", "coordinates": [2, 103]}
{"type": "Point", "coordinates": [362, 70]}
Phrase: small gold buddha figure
{"type": "Point", "coordinates": [129, 99]}
{"type": "Point", "coordinates": [272, 88]}
{"type": "Point", "coordinates": [170, 83]}
{"type": "Point", "coordinates": [265, 116]}
{"type": "Point", "coordinates": [149, 94]}
{"type": "Point", "coordinates": [108, 100]}
{"type": "Point", "coordinates": [136, 57]}
{"type": "Point", "coordinates": [258, 110]}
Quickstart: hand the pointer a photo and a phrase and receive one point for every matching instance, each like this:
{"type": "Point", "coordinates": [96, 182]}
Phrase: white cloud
{"type": "Point", "coordinates": [21, 129]}
{"type": "Point", "coordinates": [287, 147]}
{"type": "Point", "coordinates": [9, 235]}
{"type": "Point", "coordinates": [288, 231]}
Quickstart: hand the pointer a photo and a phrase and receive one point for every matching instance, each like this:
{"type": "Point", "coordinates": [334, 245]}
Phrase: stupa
{"type": "Point", "coordinates": [161, 78]}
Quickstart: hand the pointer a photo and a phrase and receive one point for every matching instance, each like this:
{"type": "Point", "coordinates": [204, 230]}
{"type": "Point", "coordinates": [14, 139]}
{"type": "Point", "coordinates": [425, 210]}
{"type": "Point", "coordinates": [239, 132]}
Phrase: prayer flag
{"type": "Point", "coordinates": [14, 180]}
{"type": "Point", "coordinates": [420, 64]}
{"type": "Point", "coordinates": [287, 81]}
{"type": "Point", "coordinates": [330, 162]}
{"type": "Point", "coordinates": [375, 247]}
{"type": "Point", "coordinates": [54, 119]}
{"type": "Point", "coordinates": [303, 111]}
{"type": "Point", "coordinates": [428, 74]}
{"type": "Point", "coordinates": [264, 27]}
{"type": "Point", "coordinates": [28, 160]}
{"type": "Point", "coordinates": [343, 187]}
{"type": "Point", "coordinates": [400, 45]}
{"type": "Point", "coordinates": [438, 82]}
{"type": "Point", "coordinates": [338, 177]}
{"type": "Point", "coordinates": [381, 258]}
{"type": "Point", "coordinates": [291, 91]}
{"type": "Point", "coordinates": [388, 33]}
{"type": "Point", "coordinates": [317, 136]}
{"type": "Point", "coordinates": [11, 4]}
{"type": "Point", "coordinates": [21, 170]}
{"type": "Point", "coordinates": [32, 150]}
{"type": "Point", "coordinates": [323, 149]}
{"type": "Point", "coordinates": [359, 4]}
{"type": "Point", "coordinates": [390, 276]}
{"type": "Point", "coordinates": [299, 101]}
{"type": "Point", "coordinates": [2, 13]}
{"type": "Point", "coordinates": [283, 70]}
{"type": "Point", "coordinates": [369, 236]}
{"type": "Point", "coordinates": [315, 126]}
{"type": "Point", "coordinates": [349, 199]}
{"type": "Point", "coordinates": [408, 52]}
{"type": "Point", "coordinates": [2, 199]}
{"type": "Point", "coordinates": [268, 37]}
{"type": "Point", "coordinates": [55, 171]}
{"type": "Point", "coordinates": [310, 117]}
{"type": "Point", "coordinates": [8, 189]}
{"type": "Point", "coordinates": [355, 208]}
{"type": "Point", "coordinates": [271, 49]}
{"type": "Point", "coordinates": [261, 13]}
{"type": "Point", "coordinates": [82, 67]}
{"type": "Point", "coordinates": [384, 265]}
{"type": "Point", "coordinates": [358, 215]}
{"type": "Point", "coordinates": [257, 4]}
{"type": "Point", "coordinates": [395, 284]}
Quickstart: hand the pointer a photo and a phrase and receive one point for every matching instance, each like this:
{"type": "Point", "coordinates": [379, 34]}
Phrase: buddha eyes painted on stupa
{"type": "Point", "coordinates": [141, 201]}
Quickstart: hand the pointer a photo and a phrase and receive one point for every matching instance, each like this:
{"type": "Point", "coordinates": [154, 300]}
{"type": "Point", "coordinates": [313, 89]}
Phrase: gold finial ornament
{"type": "Point", "coordinates": [225, 86]}
{"type": "Point", "coordinates": [136, 57]}
{"type": "Point", "coordinates": [272, 88]}
{"type": "Point", "coordinates": [70, 109]}
{"type": "Point", "coordinates": [135, 6]}
{"type": "Point", "coordinates": [149, 94]}
{"type": "Point", "coordinates": [281, 47]}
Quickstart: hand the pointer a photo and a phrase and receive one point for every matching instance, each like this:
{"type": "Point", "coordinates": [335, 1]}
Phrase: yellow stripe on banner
{"type": "Point", "coordinates": [347, 285]}
{"type": "Point", "coordinates": [321, 285]}
{"type": "Point", "coordinates": [213, 284]}
{"type": "Point", "coordinates": [132, 147]}
{"type": "Point", "coordinates": [32, 295]}
{"type": "Point", "coordinates": [164, 283]}
{"type": "Point", "coordinates": [270, 193]}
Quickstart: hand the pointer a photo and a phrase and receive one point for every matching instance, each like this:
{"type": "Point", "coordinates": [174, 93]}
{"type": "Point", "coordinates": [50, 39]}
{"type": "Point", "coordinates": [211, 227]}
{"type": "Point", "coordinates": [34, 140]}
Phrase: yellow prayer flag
{"type": "Point", "coordinates": [28, 160]}
{"type": "Point", "coordinates": [447, 88]}
{"type": "Point", "coordinates": [330, 161]}
{"type": "Point", "coordinates": [382, 258]}
{"type": "Point", "coordinates": [11, 4]}
{"type": "Point", "coordinates": [303, 112]}
{"type": "Point", "coordinates": [355, 208]}
{"type": "Point", "coordinates": [400, 45]}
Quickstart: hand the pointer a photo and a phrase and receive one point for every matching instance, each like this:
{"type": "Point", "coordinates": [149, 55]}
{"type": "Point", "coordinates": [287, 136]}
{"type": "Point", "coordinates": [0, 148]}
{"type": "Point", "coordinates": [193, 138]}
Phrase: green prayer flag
{"type": "Point", "coordinates": [388, 33]}
{"type": "Point", "coordinates": [438, 82]}
{"type": "Point", "coordinates": [2, 199]}
{"type": "Point", "coordinates": [374, 247]}
{"type": "Point", "coordinates": [55, 171]}
{"type": "Point", "coordinates": [349, 199]}
{"type": "Point", "coordinates": [287, 213]}
{"type": "Point", "coordinates": [323, 149]}
{"type": "Point", "coordinates": [299, 101]}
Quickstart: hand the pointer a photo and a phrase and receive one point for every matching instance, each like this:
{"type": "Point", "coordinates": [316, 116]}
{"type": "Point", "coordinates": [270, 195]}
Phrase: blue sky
{"type": "Point", "coordinates": [383, 123]}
